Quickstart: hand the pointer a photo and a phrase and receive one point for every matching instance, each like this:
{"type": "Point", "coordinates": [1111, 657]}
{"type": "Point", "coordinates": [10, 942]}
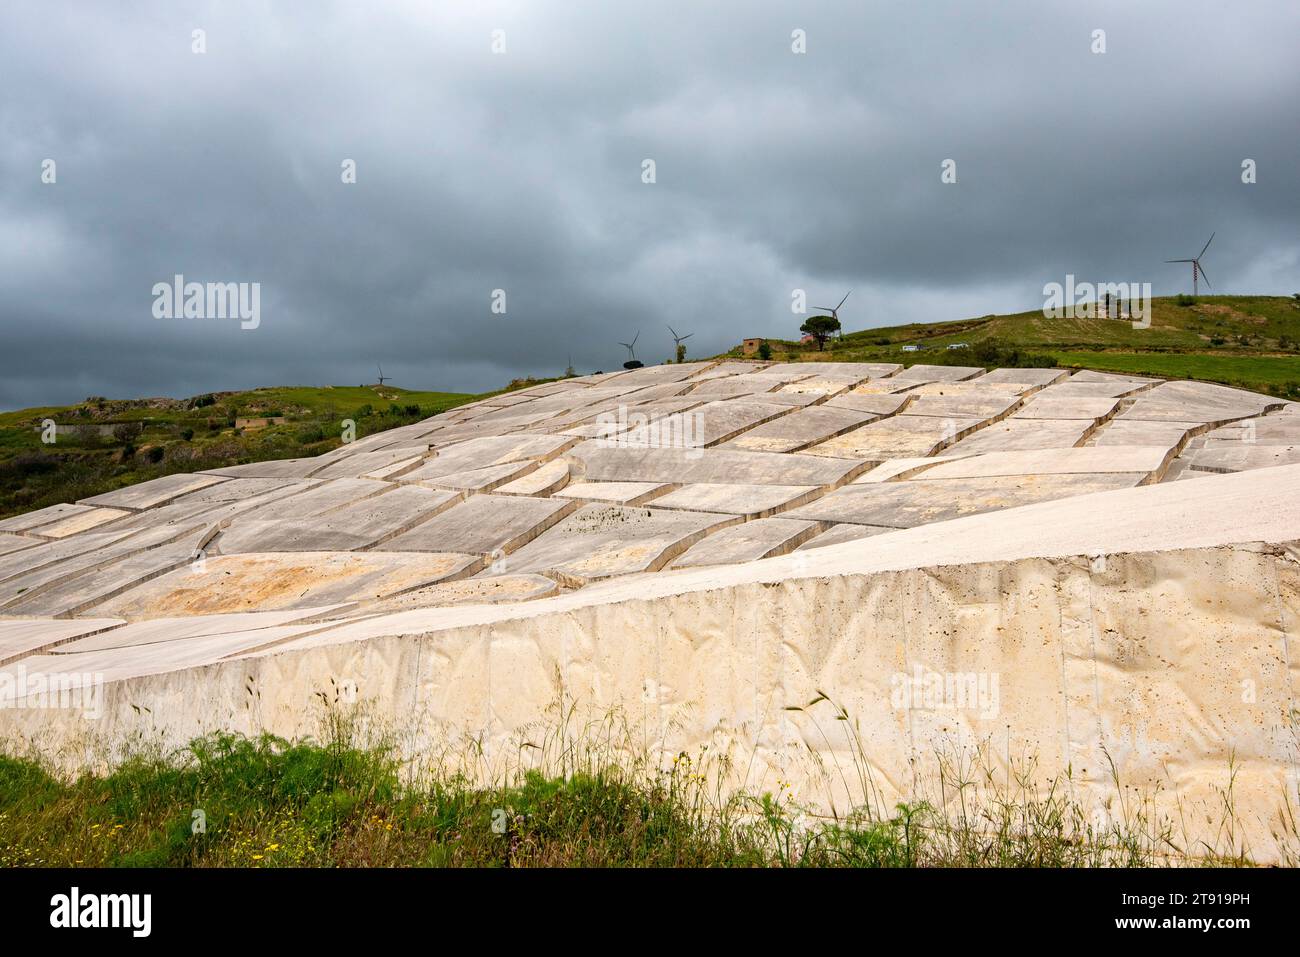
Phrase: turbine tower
{"type": "Point", "coordinates": [835, 312]}
{"type": "Point", "coordinates": [1198, 271]}
{"type": "Point", "coordinates": [678, 349]}
{"type": "Point", "coordinates": [631, 351]}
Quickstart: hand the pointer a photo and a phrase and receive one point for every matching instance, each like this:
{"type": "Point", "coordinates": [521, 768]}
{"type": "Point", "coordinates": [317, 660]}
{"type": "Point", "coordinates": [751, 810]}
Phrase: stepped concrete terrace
{"type": "Point", "coordinates": [1098, 570]}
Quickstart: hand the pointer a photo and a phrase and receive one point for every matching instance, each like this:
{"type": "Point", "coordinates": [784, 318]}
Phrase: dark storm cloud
{"type": "Point", "coordinates": [522, 171]}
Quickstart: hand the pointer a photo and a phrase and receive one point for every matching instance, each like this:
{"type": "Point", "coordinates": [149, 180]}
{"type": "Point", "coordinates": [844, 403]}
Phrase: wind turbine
{"type": "Point", "coordinates": [631, 351]}
{"type": "Point", "coordinates": [382, 378]}
{"type": "Point", "coordinates": [679, 350]}
{"type": "Point", "coordinates": [1198, 270]}
{"type": "Point", "coordinates": [835, 312]}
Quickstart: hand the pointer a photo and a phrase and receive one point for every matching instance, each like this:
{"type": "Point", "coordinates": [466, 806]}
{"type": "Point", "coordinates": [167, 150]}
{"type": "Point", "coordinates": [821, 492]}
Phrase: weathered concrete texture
{"type": "Point", "coordinates": [618, 493]}
{"type": "Point", "coordinates": [900, 436]}
{"type": "Point", "coordinates": [1023, 377]}
{"type": "Point", "coordinates": [601, 541]}
{"type": "Point", "coordinates": [749, 542]}
{"type": "Point", "coordinates": [1016, 434]}
{"type": "Point", "coordinates": [487, 479]}
{"type": "Point", "coordinates": [279, 468]}
{"type": "Point", "coordinates": [356, 526]}
{"type": "Point", "coordinates": [83, 591]}
{"type": "Point", "coordinates": [880, 405]}
{"type": "Point", "coordinates": [1044, 406]}
{"type": "Point", "coordinates": [616, 464]}
{"type": "Point", "coordinates": [1269, 430]}
{"type": "Point", "coordinates": [43, 516]}
{"type": "Point", "coordinates": [489, 451]}
{"type": "Point", "coordinates": [493, 589]}
{"type": "Point", "coordinates": [1197, 401]}
{"type": "Point", "coordinates": [13, 543]}
{"type": "Point", "coordinates": [1144, 460]}
{"type": "Point", "coordinates": [1141, 432]}
{"type": "Point", "coordinates": [918, 501]}
{"type": "Point", "coordinates": [142, 633]}
{"type": "Point", "coordinates": [847, 532]}
{"type": "Point", "coordinates": [752, 383]}
{"type": "Point", "coordinates": [978, 405]}
{"type": "Point", "coordinates": [80, 522]}
{"type": "Point", "coordinates": [21, 637]}
{"type": "Point", "coordinates": [1242, 457]}
{"type": "Point", "coordinates": [751, 501]}
{"type": "Point", "coordinates": [801, 428]}
{"type": "Point", "coordinates": [152, 494]}
{"type": "Point", "coordinates": [1131, 666]}
{"type": "Point", "coordinates": [544, 480]}
{"type": "Point", "coordinates": [321, 498]}
{"type": "Point", "coordinates": [927, 373]}
{"type": "Point", "coordinates": [271, 581]}
{"type": "Point", "coordinates": [1099, 389]}
{"type": "Point", "coordinates": [714, 422]}
{"type": "Point", "coordinates": [483, 525]}
{"type": "Point", "coordinates": [387, 462]}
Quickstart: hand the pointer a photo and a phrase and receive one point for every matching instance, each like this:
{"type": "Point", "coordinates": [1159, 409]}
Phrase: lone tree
{"type": "Point", "coordinates": [820, 328]}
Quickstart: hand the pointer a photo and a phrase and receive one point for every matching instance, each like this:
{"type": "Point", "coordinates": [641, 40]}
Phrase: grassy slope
{"type": "Point", "coordinates": [159, 437]}
{"type": "Point", "coordinates": [267, 803]}
{"type": "Point", "coordinates": [1248, 341]}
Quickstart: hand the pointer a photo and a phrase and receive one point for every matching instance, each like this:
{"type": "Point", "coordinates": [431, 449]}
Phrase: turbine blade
{"type": "Point", "coordinates": [1180, 260]}
{"type": "Point", "coordinates": [1206, 246]}
{"type": "Point", "coordinates": [846, 296]}
{"type": "Point", "coordinates": [687, 336]}
{"type": "Point", "coordinates": [673, 331]}
{"type": "Point", "coordinates": [1203, 276]}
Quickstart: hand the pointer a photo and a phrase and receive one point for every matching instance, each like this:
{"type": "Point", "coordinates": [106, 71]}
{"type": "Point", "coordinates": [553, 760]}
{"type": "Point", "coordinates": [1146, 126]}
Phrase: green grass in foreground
{"type": "Point", "coordinates": [1276, 375]}
{"type": "Point", "coordinates": [268, 803]}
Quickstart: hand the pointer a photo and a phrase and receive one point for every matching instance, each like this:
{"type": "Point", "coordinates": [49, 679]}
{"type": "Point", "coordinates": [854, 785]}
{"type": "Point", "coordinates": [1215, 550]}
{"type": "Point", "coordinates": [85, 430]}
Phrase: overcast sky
{"type": "Point", "coordinates": [522, 170]}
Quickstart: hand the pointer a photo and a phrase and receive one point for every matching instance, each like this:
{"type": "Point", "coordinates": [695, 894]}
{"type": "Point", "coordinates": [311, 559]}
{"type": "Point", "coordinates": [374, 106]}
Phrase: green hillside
{"type": "Point", "coordinates": [103, 444]}
{"type": "Point", "coordinates": [1248, 341]}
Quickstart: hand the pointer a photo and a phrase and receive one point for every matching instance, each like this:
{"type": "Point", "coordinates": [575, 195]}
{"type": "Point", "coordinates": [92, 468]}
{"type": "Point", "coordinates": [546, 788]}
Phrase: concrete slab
{"type": "Point", "coordinates": [839, 534]}
{"type": "Point", "coordinates": [602, 541]}
{"type": "Point", "coordinates": [619, 493]}
{"type": "Point", "coordinates": [748, 542]}
{"type": "Point", "coordinates": [24, 636]}
{"type": "Point", "coordinates": [160, 491]}
{"type": "Point", "coordinates": [1023, 377]}
{"type": "Point", "coordinates": [85, 521]}
{"type": "Point", "coordinates": [1198, 401]}
{"type": "Point", "coordinates": [1145, 460]}
{"type": "Point", "coordinates": [83, 591]}
{"type": "Point", "coordinates": [274, 581]}
{"type": "Point", "coordinates": [1279, 429]}
{"type": "Point", "coordinates": [927, 373]}
{"type": "Point", "coordinates": [711, 423]}
{"type": "Point", "coordinates": [688, 466]}
{"type": "Point", "coordinates": [491, 590]}
{"type": "Point", "coordinates": [750, 383]}
{"type": "Point", "coordinates": [15, 543]}
{"type": "Point", "coordinates": [851, 370]}
{"type": "Point", "coordinates": [483, 525]}
{"type": "Point", "coordinates": [389, 462]}
{"type": "Point", "coordinates": [969, 404]}
{"type": "Point", "coordinates": [920, 501]}
{"type": "Point", "coordinates": [42, 516]}
{"type": "Point", "coordinates": [881, 405]}
{"type": "Point", "coordinates": [162, 630]}
{"type": "Point", "coordinates": [899, 436]}
{"type": "Point", "coordinates": [1048, 406]}
{"type": "Point", "coordinates": [542, 481]}
{"type": "Point", "coordinates": [322, 498]}
{"type": "Point", "coordinates": [481, 480]}
{"type": "Point", "coordinates": [489, 451]}
{"type": "Point", "coordinates": [1242, 457]}
{"type": "Point", "coordinates": [1016, 434]}
{"type": "Point", "coordinates": [751, 501]}
{"type": "Point", "coordinates": [360, 525]}
{"type": "Point", "coordinates": [1139, 432]}
{"type": "Point", "coordinates": [279, 468]}
{"type": "Point", "coordinates": [893, 470]}
{"type": "Point", "coordinates": [800, 428]}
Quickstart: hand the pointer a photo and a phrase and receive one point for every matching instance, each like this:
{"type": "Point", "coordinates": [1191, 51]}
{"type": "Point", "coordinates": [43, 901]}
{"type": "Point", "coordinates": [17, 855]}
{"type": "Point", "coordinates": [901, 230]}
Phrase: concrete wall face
{"type": "Point", "coordinates": [1172, 673]}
